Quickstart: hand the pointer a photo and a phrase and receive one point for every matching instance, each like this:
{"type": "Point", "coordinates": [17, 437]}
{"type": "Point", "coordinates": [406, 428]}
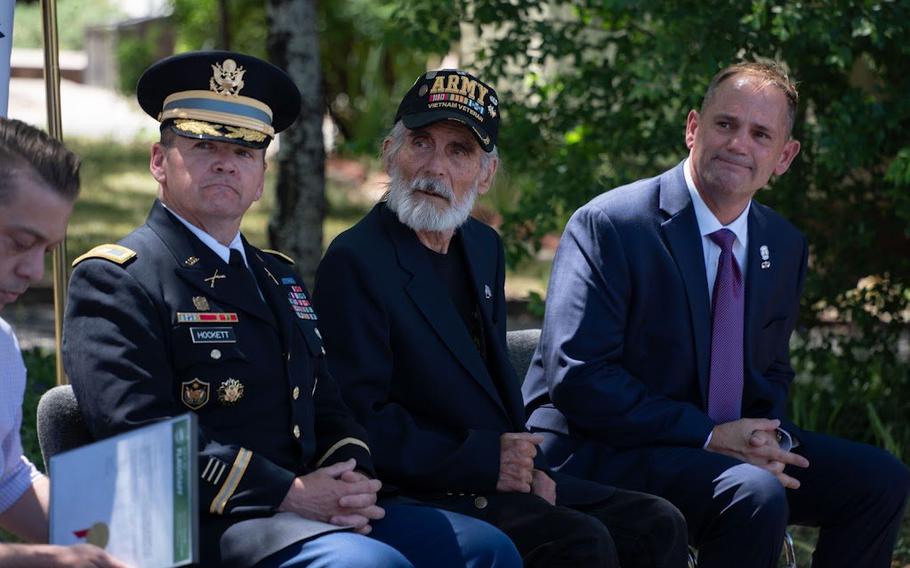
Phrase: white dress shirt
{"type": "Point", "coordinates": [708, 223]}
{"type": "Point", "coordinates": [16, 473]}
{"type": "Point", "coordinates": [223, 252]}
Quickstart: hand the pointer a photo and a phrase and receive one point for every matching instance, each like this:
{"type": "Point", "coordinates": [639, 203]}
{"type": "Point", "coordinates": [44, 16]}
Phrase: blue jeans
{"type": "Point", "coordinates": [409, 535]}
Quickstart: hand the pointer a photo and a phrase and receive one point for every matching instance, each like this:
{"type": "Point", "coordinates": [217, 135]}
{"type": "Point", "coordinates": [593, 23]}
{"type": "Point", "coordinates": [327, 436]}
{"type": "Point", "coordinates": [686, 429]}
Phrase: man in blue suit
{"type": "Point", "coordinates": [414, 320]}
{"type": "Point", "coordinates": [663, 364]}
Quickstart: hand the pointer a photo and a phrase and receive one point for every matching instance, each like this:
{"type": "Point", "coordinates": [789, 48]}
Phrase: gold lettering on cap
{"type": "Point", "coordinates": [483, 92]}
{"type": "Point", "coordinates": [453, 83]}
{"type": "Point", "coordinates": [468, 87]}
{"type": "Point", "coordinates": [438, 85]}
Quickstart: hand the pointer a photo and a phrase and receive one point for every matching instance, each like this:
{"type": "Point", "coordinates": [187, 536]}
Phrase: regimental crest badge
{"type": "Point", "coordinates": [195, 393]}
{"type": "Point", "coordinates": [201, 303]}
{"type": "Point", "coordinates": [230, 391]}
{"type": "Point", "coordinates": [227, 78]}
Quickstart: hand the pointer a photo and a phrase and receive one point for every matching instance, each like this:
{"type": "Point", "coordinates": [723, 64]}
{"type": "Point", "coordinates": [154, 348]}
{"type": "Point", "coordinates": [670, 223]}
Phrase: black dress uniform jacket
{"type": "Point", "coordinates": [138, 348]}
{"type": "Point", "coordinates": [410, 371]}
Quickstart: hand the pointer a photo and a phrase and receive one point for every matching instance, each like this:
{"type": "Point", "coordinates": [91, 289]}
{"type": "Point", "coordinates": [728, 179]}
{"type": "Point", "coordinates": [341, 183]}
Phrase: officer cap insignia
{"type": "Point", "coordinates": [280, 255]}
{"type": "Point", "coordinates": [230, 391]}
{"type": "Point", "coordinates": [227, 78]}
{"type": "Point", "coordinates": [115, 253]}
{"type": "Point", "coordinates": [195, 393]}
{"type": "Point", "coordinates": [201, 303]}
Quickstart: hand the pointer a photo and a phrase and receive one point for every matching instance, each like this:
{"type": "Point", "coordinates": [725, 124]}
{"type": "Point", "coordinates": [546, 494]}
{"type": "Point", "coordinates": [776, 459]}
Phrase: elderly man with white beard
{"type": "Point", "coordinates": [414, 320]}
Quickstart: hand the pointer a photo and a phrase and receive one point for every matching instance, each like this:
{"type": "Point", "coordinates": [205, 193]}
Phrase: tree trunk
{"type": "Point", "coordinates": [295, 227]}
{"type": "Point", "coordinates": [224, 25]}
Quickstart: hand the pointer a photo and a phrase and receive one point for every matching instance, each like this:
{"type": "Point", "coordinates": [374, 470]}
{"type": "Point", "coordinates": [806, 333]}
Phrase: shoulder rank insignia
{"type": "Point", "coordinates": [280, 255]}
{"type": "Point", "coordinates": [114, 253]}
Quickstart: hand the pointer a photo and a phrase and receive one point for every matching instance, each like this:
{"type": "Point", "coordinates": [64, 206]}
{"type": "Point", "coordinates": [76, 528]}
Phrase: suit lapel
{"type": "Point", "coordinates": [273, 292]}
{"type": "Point", "coordinates": [684, 240]}
{"type": "Point", "coordinates": [202, 269]}
{"type": "Point", "coordinates": [480, 257]}
{"type": "Point", "coordinates": [758, 279]}
{"type": "Point", "coordinates": [428, 293]}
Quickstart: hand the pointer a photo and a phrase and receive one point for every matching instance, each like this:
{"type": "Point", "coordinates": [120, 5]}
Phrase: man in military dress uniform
{"type": "Point", "coordinates": [185, 315]}
{"type": "Point", "coordinates": [415, 323]}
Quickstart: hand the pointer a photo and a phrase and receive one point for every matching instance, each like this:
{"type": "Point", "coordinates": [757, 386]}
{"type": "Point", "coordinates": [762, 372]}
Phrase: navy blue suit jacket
{"type": "Point", "coordinates": [624, 353]}
{"type": "Point", "coordinates": [407, 365]}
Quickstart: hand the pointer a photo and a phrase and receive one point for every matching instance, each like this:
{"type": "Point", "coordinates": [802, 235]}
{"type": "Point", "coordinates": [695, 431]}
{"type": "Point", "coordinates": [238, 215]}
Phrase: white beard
{"type": "Point", "coordinates": [423, 213]}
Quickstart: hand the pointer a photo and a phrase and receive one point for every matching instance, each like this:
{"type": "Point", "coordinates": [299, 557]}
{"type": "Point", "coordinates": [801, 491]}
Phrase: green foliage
{"type": "Point", "coordinates": [41, 377]}
{"type": "Point", "coordinates": [855, 379]}
{"type": "Point", "coordinates": [596, 93]}
{"type": "Point", "coordinates": [134, 54]}
{"type": "Point", "coordinates": [72, 18]}
{"type": "Point", "coordinates": [198, 23]}
{"type": "Point", "coordinates": [367, 65]}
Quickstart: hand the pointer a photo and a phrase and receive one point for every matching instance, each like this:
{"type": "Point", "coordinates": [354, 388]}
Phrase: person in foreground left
{"type": "Point", "coordinates": [184, 315]}
{"type": "Point", "coordinates": [39, 181]}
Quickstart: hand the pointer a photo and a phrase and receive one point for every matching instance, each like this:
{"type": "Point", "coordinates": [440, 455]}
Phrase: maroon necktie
{"type": "Point", "coordinates": [725, 382]}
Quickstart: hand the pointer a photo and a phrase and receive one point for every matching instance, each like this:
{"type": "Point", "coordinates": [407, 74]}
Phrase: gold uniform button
{"type": "Point", "coordinates": [296, 431]}
{"type": "Point", "coordinates": [296, 393]}
{"type": "Point", "coordinates": [481, 502]}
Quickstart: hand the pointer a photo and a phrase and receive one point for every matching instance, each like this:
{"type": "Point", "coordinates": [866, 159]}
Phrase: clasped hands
{"type": "Point", "coordinates": [754, 441]}
{"type": "Point", "coordinates": [336, 494]}
{"type": "Point", "coordinates": [517, 451]}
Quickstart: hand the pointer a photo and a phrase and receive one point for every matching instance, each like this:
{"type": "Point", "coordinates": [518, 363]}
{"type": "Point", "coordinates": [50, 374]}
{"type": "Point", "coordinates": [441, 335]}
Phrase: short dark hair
{"type": "Point", "coordinates": [168, 136]}
{"type": "Point", "coordinates": [25, 150]}
{"type": "Point", "coordinates": [769, 73]}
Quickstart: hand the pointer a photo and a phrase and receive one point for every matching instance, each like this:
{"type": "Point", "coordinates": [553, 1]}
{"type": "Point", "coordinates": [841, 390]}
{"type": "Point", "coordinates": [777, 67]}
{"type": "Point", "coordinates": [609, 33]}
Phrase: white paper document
{"type": "Point", "coordinates": [133, 495]}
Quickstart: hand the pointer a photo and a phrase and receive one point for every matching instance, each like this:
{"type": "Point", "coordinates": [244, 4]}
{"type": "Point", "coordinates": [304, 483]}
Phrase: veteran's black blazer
{"type": "Point", "coordinates": [408, 368]}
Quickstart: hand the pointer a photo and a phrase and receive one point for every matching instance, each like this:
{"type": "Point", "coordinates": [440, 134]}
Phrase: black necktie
{"type": "Point", "coordinates": [241, 270]}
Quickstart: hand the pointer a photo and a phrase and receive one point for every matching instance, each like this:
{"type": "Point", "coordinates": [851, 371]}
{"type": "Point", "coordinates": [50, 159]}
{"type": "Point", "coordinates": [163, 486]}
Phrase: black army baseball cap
{"type": "Point", "coordinates": [219, 95]}
{"type": "Point", "coordinates": [451, 94]}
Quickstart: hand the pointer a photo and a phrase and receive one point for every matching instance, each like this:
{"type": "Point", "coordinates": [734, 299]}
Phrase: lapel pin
{"type": "Point", "coordinates": [487, 293]}
{"type": "Point", "coordinates": [201, 303]}
{"type": "Point", "coordinates": [765, 257]}
{"type": "Point", "coordinates": [211, 279]}
{"type": "Point", "coordinates": [191, 261]}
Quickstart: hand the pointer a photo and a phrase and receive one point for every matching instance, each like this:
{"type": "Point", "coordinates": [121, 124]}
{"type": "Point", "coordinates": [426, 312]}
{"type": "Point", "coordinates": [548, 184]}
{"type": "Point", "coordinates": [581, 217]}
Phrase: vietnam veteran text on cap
{"type": "Point", "coordinates": [450, 94]}
{"type": "Point", "coordinates": [219, 95]}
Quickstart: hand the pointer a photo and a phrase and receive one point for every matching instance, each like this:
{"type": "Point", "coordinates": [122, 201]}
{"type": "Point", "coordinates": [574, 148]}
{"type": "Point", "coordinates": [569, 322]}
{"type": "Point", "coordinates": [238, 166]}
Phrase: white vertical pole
{"type": "Point", "coordinates": [6, 48]}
